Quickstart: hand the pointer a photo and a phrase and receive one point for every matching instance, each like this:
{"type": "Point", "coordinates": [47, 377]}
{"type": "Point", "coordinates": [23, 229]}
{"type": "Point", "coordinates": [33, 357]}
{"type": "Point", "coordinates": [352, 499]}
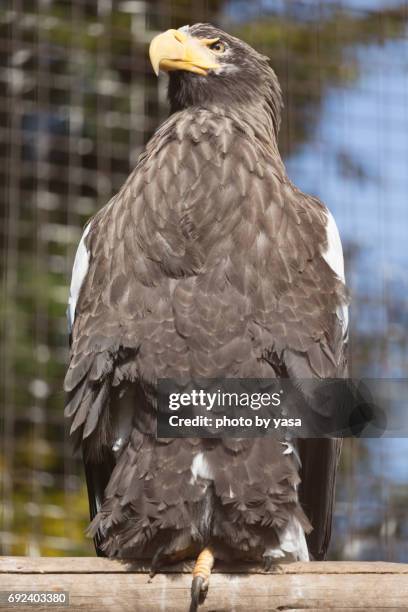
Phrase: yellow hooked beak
{"type": "Point", "coordinates": [175, 50]}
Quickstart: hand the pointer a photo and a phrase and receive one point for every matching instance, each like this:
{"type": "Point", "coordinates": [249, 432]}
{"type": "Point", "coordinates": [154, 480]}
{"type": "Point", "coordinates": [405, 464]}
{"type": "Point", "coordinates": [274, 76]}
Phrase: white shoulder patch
{"type": "Point", "coordinates": [333, 255]}
{"type": "Point", "coordinates": [79, 271]}
{"type": "Point", "coordinates": [334, 252]}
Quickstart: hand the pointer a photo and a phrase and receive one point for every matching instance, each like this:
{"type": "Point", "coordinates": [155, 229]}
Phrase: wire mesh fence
{"type": "Point", "coordinates": [78, 101]}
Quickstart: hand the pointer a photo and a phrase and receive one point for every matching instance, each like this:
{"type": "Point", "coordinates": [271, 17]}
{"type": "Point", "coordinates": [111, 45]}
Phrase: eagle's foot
{"type": "Point", "coordinates": [271, 560]}
{"type": "Point", "coordinates": [201, 578]}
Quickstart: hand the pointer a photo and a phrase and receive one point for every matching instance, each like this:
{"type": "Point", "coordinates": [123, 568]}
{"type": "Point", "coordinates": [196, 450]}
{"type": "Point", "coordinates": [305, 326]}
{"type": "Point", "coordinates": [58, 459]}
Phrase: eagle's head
{"type": "Point", "coordinates": [208, 66]}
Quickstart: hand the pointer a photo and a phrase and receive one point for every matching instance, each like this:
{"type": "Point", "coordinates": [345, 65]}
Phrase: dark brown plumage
{"type": "Point", "coordinates": [207, 263]}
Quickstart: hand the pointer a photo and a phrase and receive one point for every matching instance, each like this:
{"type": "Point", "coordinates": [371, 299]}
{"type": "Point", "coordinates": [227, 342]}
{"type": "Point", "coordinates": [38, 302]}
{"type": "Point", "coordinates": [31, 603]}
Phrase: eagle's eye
{"type": "Point", "coordinates": [217, 47]}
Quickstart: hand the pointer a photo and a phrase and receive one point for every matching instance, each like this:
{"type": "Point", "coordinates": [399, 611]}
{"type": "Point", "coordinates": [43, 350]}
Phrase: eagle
{"type": "Point", "coordinates": [208, 263]}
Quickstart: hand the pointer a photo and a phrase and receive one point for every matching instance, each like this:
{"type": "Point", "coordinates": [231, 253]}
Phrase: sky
{"type": "Point", "coordinates": [242, 9]}
{"type": "Point", "coordinates": [368, 122]}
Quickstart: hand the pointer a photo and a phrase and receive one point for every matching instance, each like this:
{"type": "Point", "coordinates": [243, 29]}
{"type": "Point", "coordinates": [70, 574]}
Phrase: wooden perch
{"type": "Point", "coordinates": [96, 584]}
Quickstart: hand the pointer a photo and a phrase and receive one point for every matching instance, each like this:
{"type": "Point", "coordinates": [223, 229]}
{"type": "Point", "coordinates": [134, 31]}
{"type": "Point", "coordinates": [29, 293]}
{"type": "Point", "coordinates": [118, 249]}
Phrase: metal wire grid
{"type": "Point", "coordinates": [77, 103]}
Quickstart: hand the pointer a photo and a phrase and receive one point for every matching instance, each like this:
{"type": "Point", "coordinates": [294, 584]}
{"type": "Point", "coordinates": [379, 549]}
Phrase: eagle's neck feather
{"type": "Point", "coordinates": [260, 99]}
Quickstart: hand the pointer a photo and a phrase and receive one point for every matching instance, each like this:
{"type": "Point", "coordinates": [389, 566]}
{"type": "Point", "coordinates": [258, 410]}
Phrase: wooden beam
{"type": "Point", "coordinates": [99, 585]}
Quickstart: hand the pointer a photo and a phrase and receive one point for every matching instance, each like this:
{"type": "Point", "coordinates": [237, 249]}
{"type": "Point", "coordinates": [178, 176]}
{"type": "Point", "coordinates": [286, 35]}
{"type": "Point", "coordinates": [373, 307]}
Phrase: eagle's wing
{"type": "Point", "coordinates": [320, 457]}
{"type": "Point", "coordinates": [97, 474]}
